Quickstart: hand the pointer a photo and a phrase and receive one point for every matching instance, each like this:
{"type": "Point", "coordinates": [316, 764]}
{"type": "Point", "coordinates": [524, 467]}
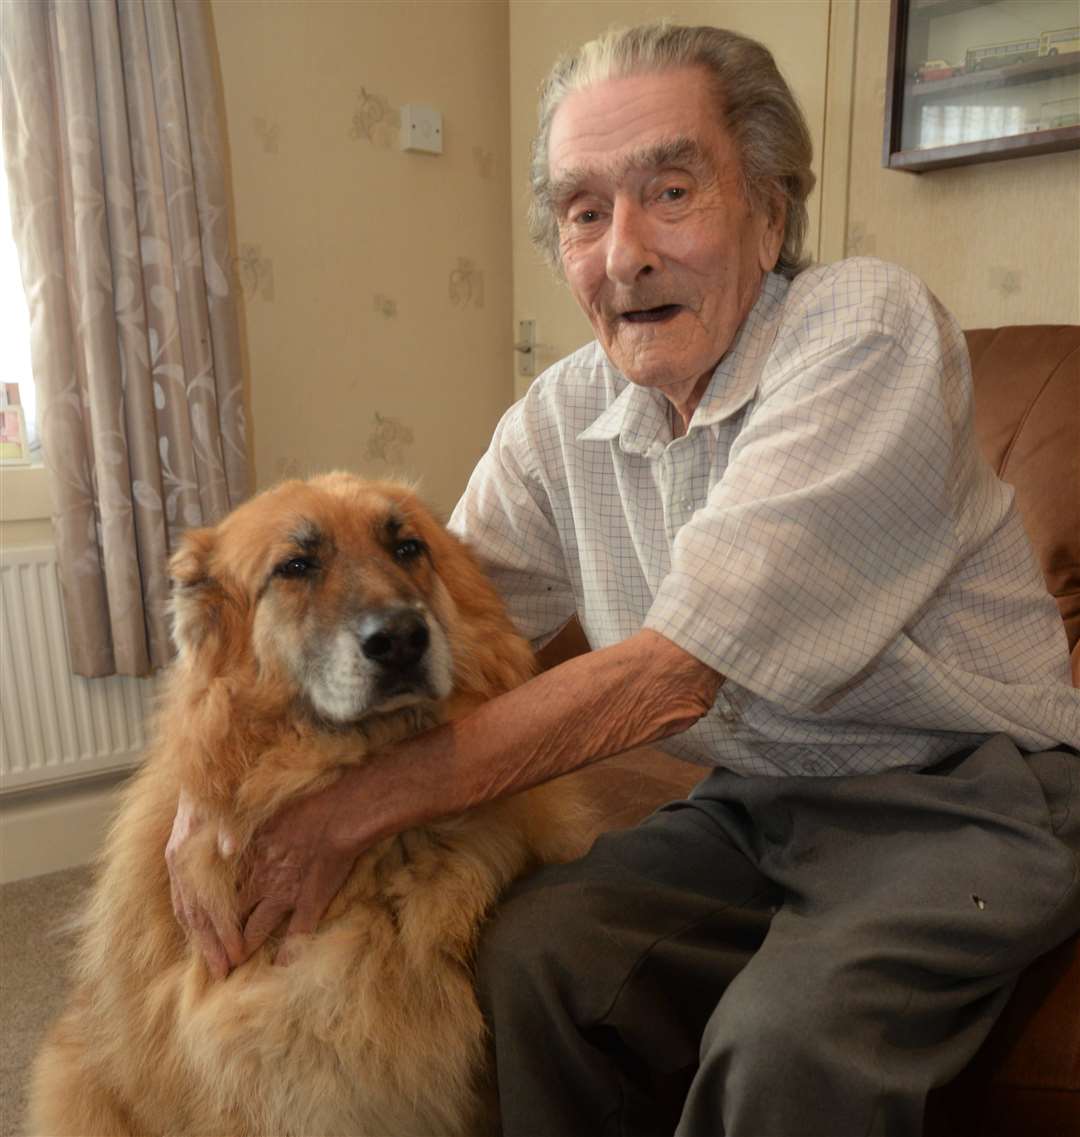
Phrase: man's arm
{"type": "Point", "coordinates": [603, 703]}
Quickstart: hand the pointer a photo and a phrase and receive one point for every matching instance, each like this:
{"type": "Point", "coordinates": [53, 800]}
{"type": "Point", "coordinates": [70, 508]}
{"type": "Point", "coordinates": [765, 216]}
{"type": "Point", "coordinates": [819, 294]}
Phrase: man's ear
{"type": "Point", "coordinates": [196, 596]}
{"type": "Point", "coordinates": [772, 233]}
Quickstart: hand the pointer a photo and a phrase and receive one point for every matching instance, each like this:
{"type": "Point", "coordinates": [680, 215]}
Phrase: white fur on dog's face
{"type": "Point", "coordinates": [316, 623]}
{"type": "Point", "coordinates": [342, 684]}
{"type": "Point", "coordinates": [345, 599]}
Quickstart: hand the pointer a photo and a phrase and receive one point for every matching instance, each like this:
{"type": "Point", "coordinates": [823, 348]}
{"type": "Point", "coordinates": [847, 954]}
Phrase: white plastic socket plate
{"type": "Point", "coordinates": [421, 129]}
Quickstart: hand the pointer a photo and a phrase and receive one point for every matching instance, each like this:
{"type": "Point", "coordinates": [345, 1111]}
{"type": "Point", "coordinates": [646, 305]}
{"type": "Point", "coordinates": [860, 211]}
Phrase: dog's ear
{"type": "Point", "coordinates": [196, 596]}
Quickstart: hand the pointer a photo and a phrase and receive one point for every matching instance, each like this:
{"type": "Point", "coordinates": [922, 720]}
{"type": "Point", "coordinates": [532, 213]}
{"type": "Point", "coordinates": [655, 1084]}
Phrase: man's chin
{"type": "Point", "coordinates": [656, 367]}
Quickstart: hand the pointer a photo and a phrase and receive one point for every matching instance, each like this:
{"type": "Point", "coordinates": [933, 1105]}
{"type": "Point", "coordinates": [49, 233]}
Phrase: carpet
{"type": "Point", "coordinates": [34, 952]}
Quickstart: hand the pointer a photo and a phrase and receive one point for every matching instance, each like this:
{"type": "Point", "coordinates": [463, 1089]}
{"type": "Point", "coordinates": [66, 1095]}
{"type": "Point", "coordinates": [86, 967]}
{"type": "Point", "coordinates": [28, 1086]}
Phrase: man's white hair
{"type": "Point", "coordinates": [753, 103]}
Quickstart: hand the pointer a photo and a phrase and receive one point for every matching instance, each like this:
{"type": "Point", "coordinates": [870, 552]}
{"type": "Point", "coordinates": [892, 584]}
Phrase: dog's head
{"type": "Point", "coordinates": [343, 589]}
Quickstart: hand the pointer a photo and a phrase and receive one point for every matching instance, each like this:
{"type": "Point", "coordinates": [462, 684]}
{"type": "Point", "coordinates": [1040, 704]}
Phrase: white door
{"type": "Point", "coordinates": [796, 31]}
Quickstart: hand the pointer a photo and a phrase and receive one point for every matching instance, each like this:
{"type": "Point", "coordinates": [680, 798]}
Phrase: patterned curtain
{"type": "Point", "coordinates": [116, 160]}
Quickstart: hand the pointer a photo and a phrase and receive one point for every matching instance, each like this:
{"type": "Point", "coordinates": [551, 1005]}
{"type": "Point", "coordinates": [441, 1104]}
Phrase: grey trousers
{"type": "Point", "coordinates": [777, 957]}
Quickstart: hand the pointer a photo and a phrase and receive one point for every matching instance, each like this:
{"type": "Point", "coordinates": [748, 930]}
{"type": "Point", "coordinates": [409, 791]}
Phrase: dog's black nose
{"type": "Point", "coordinates": [395, 638]}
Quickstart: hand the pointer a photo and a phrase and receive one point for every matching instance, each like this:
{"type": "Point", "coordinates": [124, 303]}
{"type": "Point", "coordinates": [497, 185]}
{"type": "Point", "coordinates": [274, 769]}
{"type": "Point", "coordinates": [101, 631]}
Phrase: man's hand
{"type": "Point", "coordinates": [293, 868]}
{"type": "Point", "coordinates": [300, 859]}
{"type": "Point", "coordinates": [221, 944]}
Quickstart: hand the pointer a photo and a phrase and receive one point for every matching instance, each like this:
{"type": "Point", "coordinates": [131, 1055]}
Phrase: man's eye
{"type": "Point", "coordinates": [409, 549]}
{"type": "Point", "coordinates": [295, 567]}
{"type": "Point", "coordinates": [673, 193]}
{"type": "Point", "coordinates": [586, 216]}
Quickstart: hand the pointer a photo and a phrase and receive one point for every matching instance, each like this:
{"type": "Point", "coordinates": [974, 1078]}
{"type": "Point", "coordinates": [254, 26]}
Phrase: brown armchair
{"type": "Point", "coordinates": [1025, 1081]}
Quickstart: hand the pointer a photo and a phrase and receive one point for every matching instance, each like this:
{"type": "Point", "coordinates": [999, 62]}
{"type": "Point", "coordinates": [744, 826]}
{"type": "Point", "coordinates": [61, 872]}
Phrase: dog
{"type": "Point", "coordinates": [318, 623]}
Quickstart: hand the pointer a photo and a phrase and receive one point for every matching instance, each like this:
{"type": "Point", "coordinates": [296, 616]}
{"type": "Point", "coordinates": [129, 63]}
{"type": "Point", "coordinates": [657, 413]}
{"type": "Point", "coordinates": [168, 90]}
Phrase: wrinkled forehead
{"type": "Point", "coordinates": [620, 124]}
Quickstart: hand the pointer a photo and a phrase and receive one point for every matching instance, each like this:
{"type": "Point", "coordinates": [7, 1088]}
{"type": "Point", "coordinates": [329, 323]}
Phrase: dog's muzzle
{"type": "Point", "coordinates": [395, 640]}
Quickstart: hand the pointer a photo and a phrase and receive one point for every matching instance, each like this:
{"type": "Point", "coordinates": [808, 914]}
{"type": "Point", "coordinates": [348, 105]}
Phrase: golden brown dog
{"type": "Point", "coordinates": [317, 623]}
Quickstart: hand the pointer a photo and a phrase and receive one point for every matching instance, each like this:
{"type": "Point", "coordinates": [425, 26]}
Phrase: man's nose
{"type": "Point", "coordinates": [631, 248]}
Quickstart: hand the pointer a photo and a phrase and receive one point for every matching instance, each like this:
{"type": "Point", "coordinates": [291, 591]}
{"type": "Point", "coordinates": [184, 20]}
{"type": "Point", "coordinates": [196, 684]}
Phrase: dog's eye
{"type": "Point", "coordinates": [409, 549]}
{"type": "Point", "coordinates": [295, 567]}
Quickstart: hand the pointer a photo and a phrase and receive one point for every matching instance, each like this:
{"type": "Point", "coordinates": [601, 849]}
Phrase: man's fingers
{"type": "Point", "coordinates": [179, 911]}
{"type": "Point", "coordinates": [214, 954]}
{"type": "Point", "coordinates": [232, 940]}
{"type": "Point", "coordinates": [263, 920]}
{"type": "Point", "coordinates": [194, 921]}
{"type": "Point", "coordinates": [311, 905]}
{"type": "Point", "coordinates": [206, 940]}
{"type": "Point", "coordinates": [305, 919]}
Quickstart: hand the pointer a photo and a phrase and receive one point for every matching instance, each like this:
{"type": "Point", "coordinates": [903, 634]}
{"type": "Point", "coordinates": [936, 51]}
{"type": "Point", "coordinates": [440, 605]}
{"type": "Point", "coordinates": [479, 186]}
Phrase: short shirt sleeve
{"type": "Point", "coordinates": [832, 526]}
{"type": "Point", "coordinates": [505, 517]}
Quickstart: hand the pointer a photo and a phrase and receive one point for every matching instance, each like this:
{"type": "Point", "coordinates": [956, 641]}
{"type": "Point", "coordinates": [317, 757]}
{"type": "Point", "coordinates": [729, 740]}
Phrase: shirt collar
{"type": "Point", "coordinates": [640, 416]}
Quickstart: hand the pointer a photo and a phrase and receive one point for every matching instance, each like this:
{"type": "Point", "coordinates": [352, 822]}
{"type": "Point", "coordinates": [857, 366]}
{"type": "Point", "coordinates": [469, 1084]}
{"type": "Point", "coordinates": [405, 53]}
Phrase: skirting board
{"type": "Point", "coordinates": [55, 829]}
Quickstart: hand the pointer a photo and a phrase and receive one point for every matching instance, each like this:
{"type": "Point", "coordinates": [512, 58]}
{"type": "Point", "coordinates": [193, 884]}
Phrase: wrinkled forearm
{"type": "Point", "coordinates": [588, 708]}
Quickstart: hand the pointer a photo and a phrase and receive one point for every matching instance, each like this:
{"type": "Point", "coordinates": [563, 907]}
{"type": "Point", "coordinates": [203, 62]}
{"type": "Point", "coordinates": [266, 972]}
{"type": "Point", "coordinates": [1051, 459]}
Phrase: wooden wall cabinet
{"type": "Point", "coordinates": [981, 80]}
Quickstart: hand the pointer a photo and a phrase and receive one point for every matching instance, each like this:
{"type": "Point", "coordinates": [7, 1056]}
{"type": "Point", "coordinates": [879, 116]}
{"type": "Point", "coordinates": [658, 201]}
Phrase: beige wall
{"type": "Point", "coordinates": [999, 243]}
{"type": "Point", "coordinates": [376, 282]}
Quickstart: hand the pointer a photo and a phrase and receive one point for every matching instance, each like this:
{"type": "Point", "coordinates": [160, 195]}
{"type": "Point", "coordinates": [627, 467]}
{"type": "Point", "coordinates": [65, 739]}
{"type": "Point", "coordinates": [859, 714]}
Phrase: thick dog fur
{"type": "Point", "coordinates": [373, 1027]}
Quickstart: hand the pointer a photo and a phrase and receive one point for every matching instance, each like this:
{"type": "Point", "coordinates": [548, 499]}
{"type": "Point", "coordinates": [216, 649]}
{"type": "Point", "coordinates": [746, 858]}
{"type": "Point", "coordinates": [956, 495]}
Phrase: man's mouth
{"type": "Point", "coordinates": [652, 315]}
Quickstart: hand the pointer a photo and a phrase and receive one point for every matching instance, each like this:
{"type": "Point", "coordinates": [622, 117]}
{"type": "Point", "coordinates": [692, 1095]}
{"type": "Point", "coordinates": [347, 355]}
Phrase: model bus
{"type": "Point", "coordinates": [1060, 42]}
{"type": "Point", "coordinates": [1001, 54]}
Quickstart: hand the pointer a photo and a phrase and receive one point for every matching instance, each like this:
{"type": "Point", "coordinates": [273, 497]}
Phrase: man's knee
{"type": "Point", "coordinates": [792, 1057]}
{"type": "Point", "coordinates": [531, 935]}
{"type": "Point", "coordinates": [770, 1026]}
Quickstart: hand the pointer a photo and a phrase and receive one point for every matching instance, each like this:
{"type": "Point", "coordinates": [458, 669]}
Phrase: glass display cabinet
{"type": "Point", "coordinates": [981, 80]}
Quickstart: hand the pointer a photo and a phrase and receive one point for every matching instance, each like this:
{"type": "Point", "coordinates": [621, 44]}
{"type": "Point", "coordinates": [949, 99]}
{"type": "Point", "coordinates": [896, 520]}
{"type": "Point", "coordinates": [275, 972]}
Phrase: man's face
{"type": "Point", "coordinates": [659, 245]}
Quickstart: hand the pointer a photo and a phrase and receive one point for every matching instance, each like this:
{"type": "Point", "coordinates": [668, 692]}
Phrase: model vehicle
{"type": "Point", "coordinates": [1060, 42]}
{"type": "Point", "coordinates": [936, 69]}
{"type": "Point", "coordinates": [1001, 54]}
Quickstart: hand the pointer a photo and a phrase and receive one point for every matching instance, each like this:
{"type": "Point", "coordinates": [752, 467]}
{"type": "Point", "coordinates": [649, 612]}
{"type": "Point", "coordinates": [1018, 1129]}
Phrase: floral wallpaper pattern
{"type": "Point", "coordinates": [388, 440]}
{"type": "Point", "coordinates": [384, 305]}
{"type": "Point", "coordinates": [254, 273]}
{"type": "Point", "coordinates": [375, 120]}
{"type": "Point", "coordinates": [268, 134]}
{"type": "Point", "coordinates": [466, 285]}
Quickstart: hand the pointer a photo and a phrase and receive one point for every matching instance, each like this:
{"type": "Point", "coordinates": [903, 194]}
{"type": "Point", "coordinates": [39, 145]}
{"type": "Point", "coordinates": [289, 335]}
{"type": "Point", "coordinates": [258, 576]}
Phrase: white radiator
{"type": "Point", "coordinates": [56, 726]}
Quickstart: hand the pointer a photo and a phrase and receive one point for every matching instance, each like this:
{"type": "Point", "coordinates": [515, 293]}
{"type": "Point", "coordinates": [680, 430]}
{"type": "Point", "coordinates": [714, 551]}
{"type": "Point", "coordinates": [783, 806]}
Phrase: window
{"type": "Point", "coordinates": [16, 377]}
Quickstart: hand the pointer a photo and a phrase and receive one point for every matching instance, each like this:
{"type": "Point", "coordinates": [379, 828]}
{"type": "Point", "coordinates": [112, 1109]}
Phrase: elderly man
{"type": "Point", "coordinates": [759, 492]}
